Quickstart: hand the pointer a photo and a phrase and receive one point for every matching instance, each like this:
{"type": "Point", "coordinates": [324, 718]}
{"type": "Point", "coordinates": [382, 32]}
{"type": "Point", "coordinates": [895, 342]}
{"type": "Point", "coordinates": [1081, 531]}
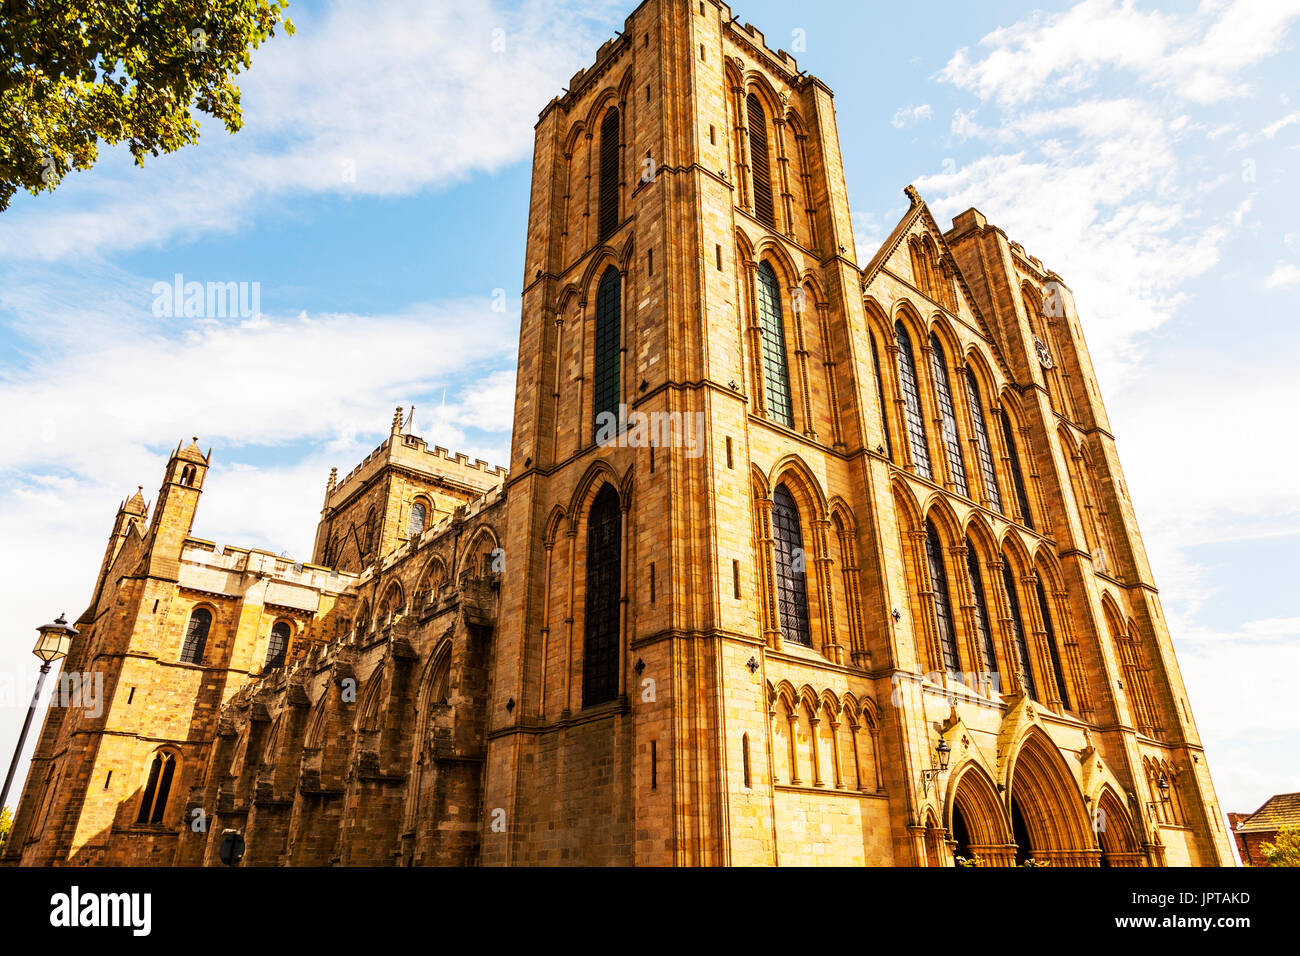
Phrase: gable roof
{"type": "Point", "coordinates": [1279, 810]}
{"type": "Point", "coordinates": [919, 211]}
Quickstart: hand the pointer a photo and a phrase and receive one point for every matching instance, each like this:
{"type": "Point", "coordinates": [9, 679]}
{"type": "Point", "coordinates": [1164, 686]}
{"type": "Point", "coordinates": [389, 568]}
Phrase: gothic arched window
{"type": "Point", "coordinates": [1052, 651]}
{"type": "Point", "coordinates": [154, 802]}
{"type": "Point", "coordinates": [880, 395]}
{"type": "Point", "coordinates": [1017, 477]}
{"type": "Point", "coordinates": [604, 393]}
{"type": "Point", "coordinates": [776, 370]}
{"type": "Point", "coordinates": [277, 646]}
{"type": "Point", "coordinates": [370, 530]}
{"type": "Point", "coordinates": [791, 566]}
{"type": "Point", "coordinates": [942, 601]}
{"type": "Point", "coordinates": [1018, 633]}
{"type": "Point", "coordinates": [982, 625]}
{"type": "Point", "coordinates": [607, 220]}
{"type": "Point", "coordinates": [419, 515]}
{"type": "Point", "coordinates": [948, 417]}
{"type": "Point", "coordinates": [912, 402]}
{"type": "Point", "coordinates": [604, 590]}
{"type": "Point", "coordinates": [987, 470]}
{"type": "Point", "coordinates": [760, 162]}
{"type": "Point", "coordinates": [196, 636]}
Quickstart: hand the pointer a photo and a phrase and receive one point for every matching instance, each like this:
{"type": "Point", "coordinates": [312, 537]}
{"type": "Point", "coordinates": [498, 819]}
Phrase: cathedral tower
{"type": "Point", "coordinates": [787, 532]}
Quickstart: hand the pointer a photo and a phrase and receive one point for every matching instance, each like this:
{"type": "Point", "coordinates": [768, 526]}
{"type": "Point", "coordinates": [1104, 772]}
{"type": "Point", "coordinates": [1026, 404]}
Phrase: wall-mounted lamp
{"type": "Point", "coordinates": [1163, 786]}
{"type": "Point", "coordinates": [896, 614]}
{"type": "Point", "coordinates": [639, 666]}
{"type": "Point", "coordinates": [752, 664]}
{"type": "Point", "coordinates": [510, 706]}
{"type": "Point", "coordinates": [941, 752]}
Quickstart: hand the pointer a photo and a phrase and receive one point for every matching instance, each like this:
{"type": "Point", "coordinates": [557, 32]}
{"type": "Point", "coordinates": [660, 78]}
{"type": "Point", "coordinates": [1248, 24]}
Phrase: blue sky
{"type": "Point", "coordinates": [378, 197]}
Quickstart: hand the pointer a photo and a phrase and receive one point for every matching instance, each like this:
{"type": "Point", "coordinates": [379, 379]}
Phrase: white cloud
{"type": "Point", "coordinates": [911, 115]}
{"type": "Point", "coordinates": [1198, 58]}
{"type": "Point", "coordinates": [366, 99]}
{"type": "Point", "coordinates": [1284, 274]}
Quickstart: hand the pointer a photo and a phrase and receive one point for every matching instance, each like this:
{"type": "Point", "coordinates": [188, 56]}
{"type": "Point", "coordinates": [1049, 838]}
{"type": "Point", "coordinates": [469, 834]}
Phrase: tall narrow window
{"type": "Point", "coordinates": [948, 417]}
{"type": "Point", "coordinates": [987, 470]}
{"type": "Point", "coordinates": [601, 627]}
{"type": "Point", "coordinates": [1018, 633]}
{"type": "Point", "coordinates": [880, 395]}
{"type": "Point", "coordinates": [1052, 651]}
{"type": "Point", "coordinates": [196, 636]}
{"type": "Point", "coordinates": [776, 370]}
{"type": "Point", "coordinates": [277, 646]}
{"type": "Point", "coordinates": [912, 402]}
{"type": "Point", "coordinates": [1017, 477]}
{"type": "Point", "coordinates": [760, 162]}
{"type": "Point", "coordinates": [370, 530]}
{"type": "Point", "coordinates": [606, 357]}
{"type": "Point", "coordinates": [791, 564]}
{"type": "Point", "coordinates": [609, 145]}
{"type": "Point", "coordinates": [419, 514]}
{"type": "Point", "coordinates": [942, 602]}
{"type": "Point", "coordinates": [989, 664]}
{"type": "Point", "coordinates": [154, 802]}
{"type": "Point", "coordinates": [744, 744]}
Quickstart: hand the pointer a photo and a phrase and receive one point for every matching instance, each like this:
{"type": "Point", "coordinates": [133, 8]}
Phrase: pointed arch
{"type": "Point", "coordinates": [478, 555]}
{"type": "Point", "coordinates": [975, 818]}
{"type": "Point", "coordinates": [431, 579]}
{"type": "Point", "coordinates": [1048, 799]}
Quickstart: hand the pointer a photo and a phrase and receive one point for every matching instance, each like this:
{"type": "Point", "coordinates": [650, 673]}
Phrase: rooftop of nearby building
{"type": "Point", "coordinates": [1279, 810]}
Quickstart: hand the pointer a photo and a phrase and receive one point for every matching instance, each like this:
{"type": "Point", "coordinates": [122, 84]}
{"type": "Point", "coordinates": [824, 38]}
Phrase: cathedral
{"type": "Point", "coordinates": [804, 556]}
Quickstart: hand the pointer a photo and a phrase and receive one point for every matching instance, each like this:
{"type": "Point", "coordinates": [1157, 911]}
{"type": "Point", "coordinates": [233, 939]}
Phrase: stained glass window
{"type": "Point", "coordinates": [277, 646]}
{"type": "Point", "coordinates": [601, 628]}
{"type": "Point", "coordinates": [419, 514]}
{"type": "Point", "coordinates": [942, 601]}
{"type": "Point", "coordinates": [791, 568]}
{"type": "Point", "coordinates": [196, 636]}
{"type": "Point", "coordinates": [987, 470]}
{"type": "Point", "coordinates": [943, 394]}
{"type": "Point", "coordinates": [608, 343]}
{"type": "Point", "coordinates": [912, 402]}
{"type": "Point", "coordinates": [776, 370]}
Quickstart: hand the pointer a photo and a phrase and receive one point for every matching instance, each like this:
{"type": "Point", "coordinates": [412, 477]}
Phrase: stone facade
{"type": "Point", "coordinates": [852, 514]}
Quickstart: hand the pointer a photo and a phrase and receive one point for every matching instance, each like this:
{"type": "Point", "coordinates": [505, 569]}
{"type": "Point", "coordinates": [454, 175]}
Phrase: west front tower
{"type": "Point", "coordinates": [689, 260]}
{"type": "Point", "coordinates": [809, 559]}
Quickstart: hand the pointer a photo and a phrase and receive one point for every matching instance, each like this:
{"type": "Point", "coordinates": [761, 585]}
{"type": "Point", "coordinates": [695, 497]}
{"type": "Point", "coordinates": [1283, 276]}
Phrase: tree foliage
{"type": "Point", "coordinates": [1285, 850]}
{"type": "Point", "coordinates": [6, 825]}
{"type": "Point", "coordinates": [75, 72]}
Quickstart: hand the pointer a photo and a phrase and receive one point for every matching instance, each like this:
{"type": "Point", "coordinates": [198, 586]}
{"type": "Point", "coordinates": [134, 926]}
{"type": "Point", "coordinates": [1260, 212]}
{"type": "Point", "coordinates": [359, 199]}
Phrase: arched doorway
{"type": "Point", "coordinates": [1048, 821]}
{"type": "Point", "coordinates": [1119, 844]}
{"type": "Point", "coordinates": [977, 822]}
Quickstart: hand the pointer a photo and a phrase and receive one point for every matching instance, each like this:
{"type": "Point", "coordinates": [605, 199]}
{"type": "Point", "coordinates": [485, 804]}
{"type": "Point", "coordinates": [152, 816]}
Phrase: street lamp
{"type": "Point", "coordinates": [54, 642]}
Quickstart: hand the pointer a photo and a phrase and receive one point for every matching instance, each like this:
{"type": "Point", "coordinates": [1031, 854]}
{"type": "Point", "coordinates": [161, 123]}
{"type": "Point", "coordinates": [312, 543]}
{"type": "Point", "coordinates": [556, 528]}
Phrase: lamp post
{"type": "Point", "coordinates": [53, 643]}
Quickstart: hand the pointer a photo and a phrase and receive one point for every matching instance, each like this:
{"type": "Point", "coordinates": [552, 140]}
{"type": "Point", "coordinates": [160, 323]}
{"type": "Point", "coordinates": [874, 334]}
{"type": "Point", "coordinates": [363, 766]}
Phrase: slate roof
{"type": "Point", "coordinates": [1278, 811]}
